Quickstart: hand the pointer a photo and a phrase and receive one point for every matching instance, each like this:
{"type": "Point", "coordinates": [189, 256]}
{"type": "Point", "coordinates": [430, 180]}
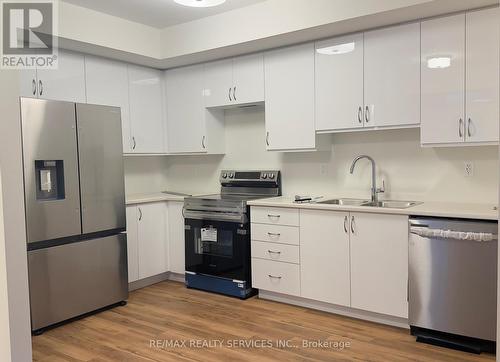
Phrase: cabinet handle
{"type": "Point", "coordinates": [360, 112]}
{"type": "Point", "coordinates": [33, 86]}
{"type": "Point", "coordinates": [274, 252]}
{"type": "Point", "coordinates": [234, 93]}
{"type": "Point", "coordinates": [230, 94]}
{"type": "Point", "coordinates": [40, 87]}
{"type": "Point", "coordinates": [345, 224]}
{"type": "Point", "coordinates": [274, 234]}
{"type": "Point", "coordinates": [267, 138]}
{"type": "Point", "coordinates": [460, 127]}
{"type": "Point", "coordinates": [140, 213]}
{"type": "Point", "coordinates": [203, 142]}
{"type": "Point", "coordinates": [352, 225]}
{"type": "Point", "coordinates": [469, 134]}
{"type": "Point", "coordinates": [273, 276]}
{"type": "Point", "coordinates": [135, 144]}
{"type": "Point", "coordinates": [367, 114]}
{"type": "Point", "coordinates": [271, 216]}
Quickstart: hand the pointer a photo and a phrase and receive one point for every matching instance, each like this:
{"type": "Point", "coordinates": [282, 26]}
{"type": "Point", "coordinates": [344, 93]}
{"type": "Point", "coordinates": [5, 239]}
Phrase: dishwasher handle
{"type": "Point", "coordinates": [425, 231]}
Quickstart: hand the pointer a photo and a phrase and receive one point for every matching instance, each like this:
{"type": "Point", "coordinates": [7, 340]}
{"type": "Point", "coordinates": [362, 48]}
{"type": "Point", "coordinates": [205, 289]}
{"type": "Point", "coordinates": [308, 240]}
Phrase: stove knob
{"type": "Point", "coordinates": [271, 176]}
{"type": "Point", "coordinates": [264, 176]}
{"type": "Point", "coordinates": [231, 175]}
{"type": "Point", "coordinates": [224, 175]}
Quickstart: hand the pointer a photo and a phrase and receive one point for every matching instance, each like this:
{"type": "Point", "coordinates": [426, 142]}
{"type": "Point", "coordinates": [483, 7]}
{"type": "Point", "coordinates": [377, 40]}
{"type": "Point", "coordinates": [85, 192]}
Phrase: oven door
{"type": "Point", "coordinates": [218, 248]}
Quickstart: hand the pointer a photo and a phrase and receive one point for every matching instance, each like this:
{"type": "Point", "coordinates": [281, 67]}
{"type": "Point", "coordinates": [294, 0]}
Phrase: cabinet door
{"type": "Point", "coordinates": [392, 76]}
{"type": "Point", "coordinates": [339, 83]}
{"type": "Point", "coordinates": [28, 86]}
{"type": "Point", "coordinates": [482, 78]}
{"type": "Point", "coordinates": [379, 263]}
{"type": "Point", "coordinates": [146, 110]}
{"type": "Point", "coordinates": [443, 80]}
{"type": "Point", "coordinates": [67, 82]}
{"type": "Point", "coordinates": [151, 221]}
{"type": "Point", "coordinates": [132, 244]}
{"type": "Point", "coordinates": [324, 256]}
{"type": "Point", "coordinates": [289, 89]}
{"type": "Point", "coordinates": [176, 237]}
{"type": "Point", "coordinates": [219, 85]}
{"type": "Point", "coordinates": [185, 110]}
{"type": "Point", "coordinates": [107, 84]}
{"type": "Point", "coordinates": [248, 79]}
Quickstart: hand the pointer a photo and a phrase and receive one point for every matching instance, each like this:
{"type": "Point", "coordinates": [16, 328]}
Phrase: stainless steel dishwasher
{"type": "Point", "coordinates": [453, 282]}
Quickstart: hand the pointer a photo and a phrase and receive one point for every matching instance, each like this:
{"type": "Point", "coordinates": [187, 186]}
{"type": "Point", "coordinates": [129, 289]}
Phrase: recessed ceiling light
{"type": "Point", "coordinates": [200, 3]}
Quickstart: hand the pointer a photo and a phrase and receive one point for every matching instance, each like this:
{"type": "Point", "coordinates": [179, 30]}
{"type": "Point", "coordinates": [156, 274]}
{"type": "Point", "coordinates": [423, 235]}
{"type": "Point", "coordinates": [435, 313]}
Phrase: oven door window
{"type": "Point", "coordinates": [212, 241]}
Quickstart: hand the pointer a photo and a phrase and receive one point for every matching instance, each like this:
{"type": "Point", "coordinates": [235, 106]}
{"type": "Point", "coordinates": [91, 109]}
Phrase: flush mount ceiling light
{"type": "Point", "coordinates": [438, 62]}
{"type": "Point", "coordinates": [200, 3]}
{"type": "Point", "coordinates": [337, 49]}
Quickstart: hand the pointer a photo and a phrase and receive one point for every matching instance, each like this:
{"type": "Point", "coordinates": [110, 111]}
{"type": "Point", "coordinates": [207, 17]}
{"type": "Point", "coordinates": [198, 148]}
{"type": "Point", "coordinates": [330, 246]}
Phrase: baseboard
{"type": "Point", "coordinates": [336, 309]}
{"type": "Point", "coordinates": [176, 277]}
{"type": "Point", "coordinates": [138, 284]}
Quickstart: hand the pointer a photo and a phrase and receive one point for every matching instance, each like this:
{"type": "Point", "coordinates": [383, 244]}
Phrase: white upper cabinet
{"type": "Point", "coordinates": [248, 79]}
{"type": "Point", "coordinates": [443, 80]}
{"type": "Point", "coordinates": [392, 76]}
{"type": "Point", "coordinates": [235, 81]}
{"type": "Point", "coordinates": [218, 83]}
{"type": "Point", "coordinates": [324, 256]}
{"type": "Point", "coordinates": [146, 109]}
{"type": "Point", "coordinates": [191, 128]}
{"type": "Point", "coordinates": [107, 84]}
{"type": "Point", "coordinates": [339, 83]}
{"type": "Point", "coordinates": [379, 263]}
{"type": "Point", "coordinates": [482, 75]}
{"type": "Point", "coordinates": [289, 90]}
{"type": "Point", "coordinates": [66, 83]}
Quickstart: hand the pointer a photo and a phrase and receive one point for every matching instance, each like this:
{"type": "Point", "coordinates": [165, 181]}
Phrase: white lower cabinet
{"type": "Point", "coordinates": [176, 245]}
{"type": "Point", "coordinates": [132, 244]}
{"type": "Point", "coordinates": [324, 256]}
{"type": "Point", "coordinates": [349, 259]}
{"type": "Point", "coordinates": [379, 263]}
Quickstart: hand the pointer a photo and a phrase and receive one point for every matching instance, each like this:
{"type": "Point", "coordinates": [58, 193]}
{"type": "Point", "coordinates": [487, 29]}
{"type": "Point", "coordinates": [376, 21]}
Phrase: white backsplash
{"type": "Point", "coordinates": [409, 171]}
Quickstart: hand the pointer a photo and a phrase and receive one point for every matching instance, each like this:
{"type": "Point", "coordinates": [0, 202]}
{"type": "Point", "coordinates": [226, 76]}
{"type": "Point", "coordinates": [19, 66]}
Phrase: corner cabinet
{"type": "Point", "coordinates": [460, 79]}
{"type": "Point", "coordinates": [191, 128]}
{"type": "Point", "coordinates": [289, 91]}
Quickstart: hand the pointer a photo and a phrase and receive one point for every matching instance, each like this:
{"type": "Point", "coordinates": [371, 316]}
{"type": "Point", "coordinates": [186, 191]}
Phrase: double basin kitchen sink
{"type": "Point", "coordinates": [391, 204]}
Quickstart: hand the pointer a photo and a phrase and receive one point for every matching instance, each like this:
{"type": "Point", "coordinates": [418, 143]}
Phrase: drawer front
{"type": "Point", "coordinates": [275, 215]}
{"type": "Point", "coordinates": [277, 252]}
{"type": "Point", "coordinates": [275, 233]}
{"type": "Point", "coordinates": [275, 276]}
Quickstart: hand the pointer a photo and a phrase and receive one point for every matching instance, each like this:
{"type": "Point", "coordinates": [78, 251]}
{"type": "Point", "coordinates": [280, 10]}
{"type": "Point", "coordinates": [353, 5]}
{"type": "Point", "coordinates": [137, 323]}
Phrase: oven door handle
{"type": "Point", "coordinates": [200, 215]}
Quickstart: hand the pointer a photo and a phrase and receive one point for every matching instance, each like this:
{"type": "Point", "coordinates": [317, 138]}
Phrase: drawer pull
{"type": "Point", "coordinates": [274, 252]}
{"type": "Point", "coordinates": [273, 276]}
{"type": "Point", "coordinates": [274, 234]}
{"type": "Point", "coordinates": [271, 216]}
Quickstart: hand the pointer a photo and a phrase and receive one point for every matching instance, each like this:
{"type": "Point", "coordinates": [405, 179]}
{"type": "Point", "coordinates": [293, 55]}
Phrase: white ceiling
{"type": "Point", "coordinates": [158, 13]}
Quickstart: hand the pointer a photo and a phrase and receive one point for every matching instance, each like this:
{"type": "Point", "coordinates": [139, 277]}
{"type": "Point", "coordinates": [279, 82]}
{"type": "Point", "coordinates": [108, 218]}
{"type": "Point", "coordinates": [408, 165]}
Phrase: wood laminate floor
{"type": "Point", "coordinates": [167, 322]}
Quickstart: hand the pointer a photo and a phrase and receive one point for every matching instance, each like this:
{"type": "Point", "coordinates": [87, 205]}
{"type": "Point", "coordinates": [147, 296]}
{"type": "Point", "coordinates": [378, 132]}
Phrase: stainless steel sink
{"type": "Point", "coordinates": [392, 204]}
{"type": "Point", "coordinates": [345, 202]}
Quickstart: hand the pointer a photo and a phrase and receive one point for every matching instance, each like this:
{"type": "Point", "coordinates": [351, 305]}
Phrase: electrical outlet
{"type": "Point", "coordinates": [468, 169]}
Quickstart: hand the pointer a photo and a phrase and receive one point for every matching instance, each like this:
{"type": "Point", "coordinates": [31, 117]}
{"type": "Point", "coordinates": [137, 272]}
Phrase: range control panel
{"type": "Point", "coordinates": [230, 176]}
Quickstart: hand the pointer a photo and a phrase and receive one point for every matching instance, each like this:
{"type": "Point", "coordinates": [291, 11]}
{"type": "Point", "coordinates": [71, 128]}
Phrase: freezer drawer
{"type": "Point", "coordinates": [73, 279]}
{"type": "Point", "coordinates": [50, 160]}
{"type": "Point", "coordinates": [452, 282]}
{"type": "Point", "coordinates": [101, 167]}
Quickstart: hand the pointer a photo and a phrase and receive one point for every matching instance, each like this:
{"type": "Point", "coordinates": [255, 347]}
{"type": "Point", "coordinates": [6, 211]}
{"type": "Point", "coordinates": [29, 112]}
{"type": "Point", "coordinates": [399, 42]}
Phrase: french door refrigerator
{"type": "Point", "coordinates": [75, 209]}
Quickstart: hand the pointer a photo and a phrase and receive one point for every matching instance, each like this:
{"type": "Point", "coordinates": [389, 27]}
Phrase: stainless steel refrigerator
{"type": "Point", "coordinates": [75, 209]}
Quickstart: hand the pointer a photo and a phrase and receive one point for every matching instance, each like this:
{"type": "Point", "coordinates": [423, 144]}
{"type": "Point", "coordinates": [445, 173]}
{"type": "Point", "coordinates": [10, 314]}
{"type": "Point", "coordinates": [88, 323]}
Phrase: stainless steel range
{"type": "Point", "coordinates": [217, 229]}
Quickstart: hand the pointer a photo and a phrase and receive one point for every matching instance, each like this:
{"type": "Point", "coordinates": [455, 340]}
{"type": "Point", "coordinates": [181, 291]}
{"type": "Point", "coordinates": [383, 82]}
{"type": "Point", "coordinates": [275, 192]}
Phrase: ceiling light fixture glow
{"type": "Point", "coordinates": [337, 49]}
{"type": "Point", "coordinates": [438, 62]}
{"type": "Point", "coordinates": [200, 3]}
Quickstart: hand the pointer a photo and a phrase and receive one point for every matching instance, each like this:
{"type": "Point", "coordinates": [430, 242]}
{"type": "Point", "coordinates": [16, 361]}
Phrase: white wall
{"type": "Point", "coordinates": [13, 218]}
{"type": "Point", "coordinates": [4, 301]}
{"type": "Point", "coordinates": [145, 174]}
{"type": "Point", "coordinates": [410, 172]}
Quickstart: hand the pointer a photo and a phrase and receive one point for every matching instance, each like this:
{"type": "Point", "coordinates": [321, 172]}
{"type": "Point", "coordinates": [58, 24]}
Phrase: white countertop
{"type": "Point", "coordinates": [439, 209]}
{"type": "Point", "coordinates": [151, 197]}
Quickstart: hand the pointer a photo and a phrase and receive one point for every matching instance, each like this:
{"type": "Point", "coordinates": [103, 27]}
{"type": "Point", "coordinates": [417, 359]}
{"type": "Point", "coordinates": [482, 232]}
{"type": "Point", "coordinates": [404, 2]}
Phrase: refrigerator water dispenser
{"type": "Point", "coordinates": [49, 180]}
